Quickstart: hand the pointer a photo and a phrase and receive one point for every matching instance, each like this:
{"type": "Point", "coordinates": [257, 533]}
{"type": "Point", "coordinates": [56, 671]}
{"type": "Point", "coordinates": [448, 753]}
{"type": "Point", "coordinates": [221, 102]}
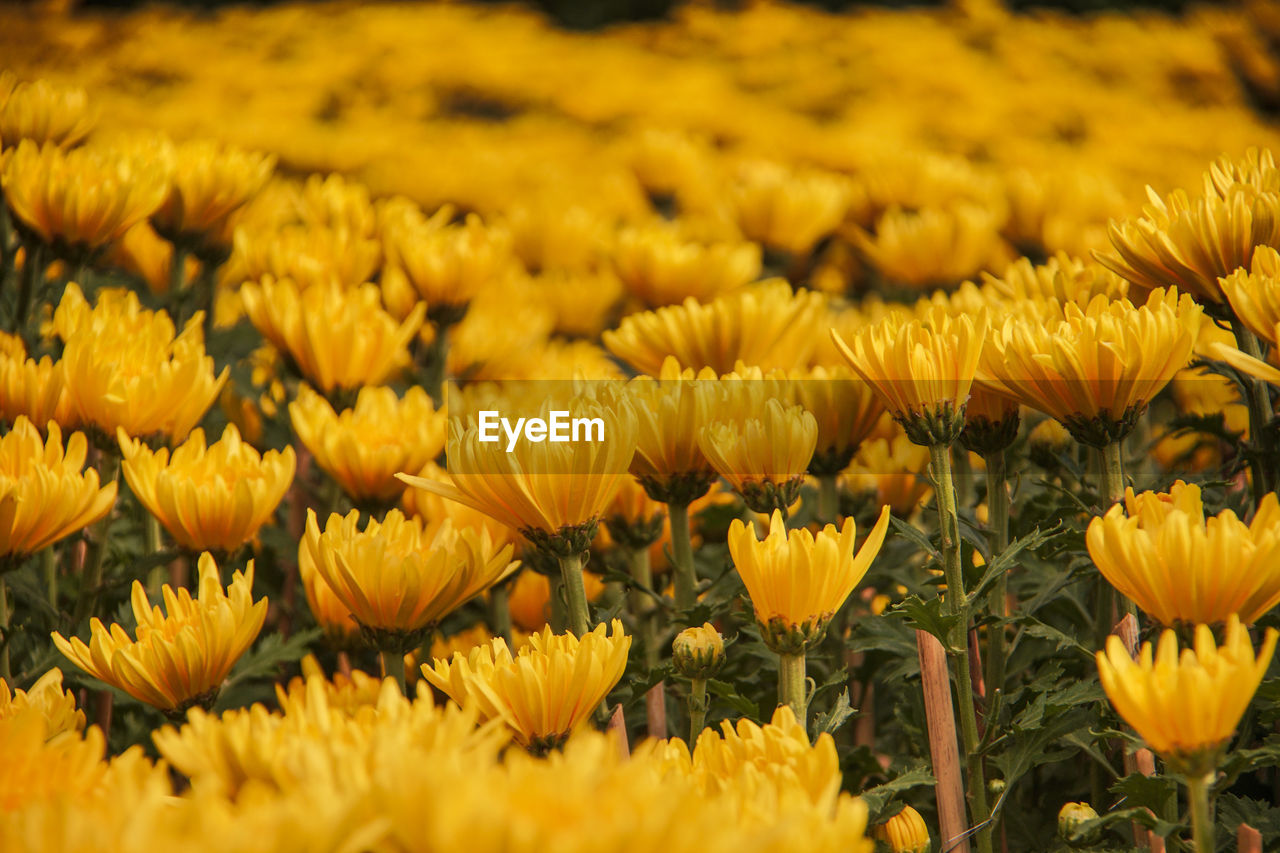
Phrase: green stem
{"type": "Point", "coordinates": [957, 605]}
{"type": "Point", "coordinates": [686, 581]}
{"type": "Point", "coordinates": [393, 666]}
{"type": "Point", "coordinates": [1112, 473]}
{"type": "Point", "coordinates": [500, 611]}
{"type": "Point", "coordinates": [828, 499]}
{"type": "Point", "coordinates": [49, 568]}
{"type": "Point", "coordinates": [559, 612]}
{"type": "Point", "coordinates": [698, 707]}
{"type": "Point", "coordinates": [87, 603]}
{"type": "Point", "coordinates": [1258, 399]}
{"type": "Point", "coordinates": [1201, 821]}
{"type": "Point", "coordinates": [998, 522]}
{"type": "Point", "coordinates": [575, 594]}
{"type": "Point", "coordinates": [642, 606]}
{"type": "Point", "coordinates": [33, 268]}
{"type": "Point", "coordinates": [791, 685]}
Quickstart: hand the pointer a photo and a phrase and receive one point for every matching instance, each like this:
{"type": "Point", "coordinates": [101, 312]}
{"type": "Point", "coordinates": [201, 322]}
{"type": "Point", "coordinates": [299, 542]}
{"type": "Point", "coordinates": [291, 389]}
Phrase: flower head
{"type": "Point", "coordinates": [547, 690]}
{"type": "Point", "coordinates": [448, 264]}
{"type": "Point", "coordinates": [44, 496]}
{"type": "Point", "coordinates": [661, 267]}
{"type": "Point", "coordinates": [36, 389]}
{"type": "Point", "coordinates": [306, 255]}
{"type": "Point", "coordinates": [364, 447]}
{"type": "Point", "coordinates": [1186, 705]}
{"type": "Point", "coordinates": [42, 112]}
{"type": "Point", "coordinates": [788, 210]}
{"type": "Point", "coordinates": [698, 652]}
{"type": "Point", "coordinates": [847, 411]}
{"type": "Point", "coordinates": [765, 454]}
{"type": "Point", "coordinates": [1254, 293]}
{"type": "Point", "coordinates": [797, 581]}
{"type": "Point", "coordinates": [208, 181]}
{"type": "Point", "coordinates": [1181, 568]}
{"type": "Point", "coordinates": [905, 832]}
{"type": "Point", "coordinates": [209, 497]}
{"type": "Point", "coordinates": [181, 658]}
{"type": "Point", "coordinates": [46, 698]}
{"type": "Point", "coordinates": [893, 471]}
{"type": "Point", "coordinates": [670, 413]}
{"type": "Point", "coordinates": [339, 338]}
{"type": "Point", "coordinates": [933, 247]}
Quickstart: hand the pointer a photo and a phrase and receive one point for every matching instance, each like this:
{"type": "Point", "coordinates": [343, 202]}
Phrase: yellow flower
{"type": "Point", "coordinates": [208, 181]}
{"type": "Point", "coordinates": [79, 200]}
{"type": "Point", "coordinates": [46, 698]}
{"type": "Point", "coordinates": [798, 581]}
{"type": "Point", "coordinates": [333, 201]}
{"type": "Point", "coordinates": [991, 421]}
{"type": "Point", "coordinates": [125, 369]}
{"type": "Point", "coordinates": [933, 247]}
{"type": "Point", "coordinates": [1182, 568]}
{"type": "Point", "coordinates": [334, 618]}
{"type": "Point", "coordinates": [764, 325]}
{"type": "Point", "coordinates": [398, 578]}
{"type": "Point", "coordinates": [430, 506]}
{"type": "Point", "coordinates": [894, 470]}
{"type": "Point", "coordinates": [307, 255]}
{"type": "Point", "coordinates": [43, 494]}
{"type": "Point", "coordinates": [42, 112]}
{"type": "Point", "coordinates": [670, 413]}
{"type": "Point", "coordinates": [583, 301]}
{"type": "Point", "coordinates": [36, 389]}
{"type": "Point", "coordinates": [552, 492]}
{"type": "Point", "coordinates": [787, 209]}
{"type": "Point", "coordinates": [846, 409]}
{"type": "Point", "coordinates": [338, 338]}
{"type": "Point", "coordinates": [1096, 368]}
{"type": "Point", "coordinates": [698, 652]}
{"type": "Point", "coordinates": [1061, 277]}
{"type": "Point", "coordinates": [922, 369]}
{"type": "Point", "coordinates": [1186, 706]}
{"type": "Point", "coordinates": [1191, 244]}
{"type": "Point", "coordinates": [546, 691]}
{"type": "Point", "coordinates": [364, 447]}
{"type": "Point", "coordinates": [661, 267]}
{"type": "Point", "coordinates": [1254, 293]}
{"type": "Point", "coordinates": [178, 660]}
{"type": "Point", "coordinates": [448, 264]}
{"type": "Point", "coordinates": [765, 454]}
{"type": "Point", "coordinates": [905, 832]}
{"type": "Point", "coordinates": [212, 498]}
{"type": "Point", "coordinates": [39, 768]}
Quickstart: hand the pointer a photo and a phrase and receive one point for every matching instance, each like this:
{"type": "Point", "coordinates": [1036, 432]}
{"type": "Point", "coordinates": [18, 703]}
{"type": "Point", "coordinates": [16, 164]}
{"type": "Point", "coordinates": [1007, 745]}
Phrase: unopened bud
{"type": "Point", "coordinates": [698, 652]}
{"type": "Point", "coordinates": [1073, 822]}
{"type": "Point", "coordinates": [905, 832]}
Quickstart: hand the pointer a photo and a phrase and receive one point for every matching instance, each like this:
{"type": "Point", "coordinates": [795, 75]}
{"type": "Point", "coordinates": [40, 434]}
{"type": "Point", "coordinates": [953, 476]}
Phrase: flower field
{"type": "Point", "coordinates": [423, 428]}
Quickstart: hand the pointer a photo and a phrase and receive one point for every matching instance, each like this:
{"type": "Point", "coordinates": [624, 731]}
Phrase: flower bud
{"type": "Point", "coordinates": [905, 832]}
{"type": "Point", "coordinates": [1072, 820]}
{"type": "Point", "coordinates": [698, 652]}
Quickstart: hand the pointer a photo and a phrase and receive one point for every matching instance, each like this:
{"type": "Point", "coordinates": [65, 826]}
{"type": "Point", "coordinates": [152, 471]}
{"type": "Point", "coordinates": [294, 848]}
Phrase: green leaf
{"type": "Point", "coordinates": [829, 722]}
{"type": "Point", "coordinates": [1148, 792]}
{"type": "Point", "coordinates": [263, 659]}
{"type": "Point", "coordinates": [912, 533]}
{"type": "Point", "coordinates": [928, 616]}
{"type": "Point", "coordinates": [1008, 558]}
{"type": "Point", "coordinates": [881, 796]}
{"type": "Point", "coordinates": [724, 690]}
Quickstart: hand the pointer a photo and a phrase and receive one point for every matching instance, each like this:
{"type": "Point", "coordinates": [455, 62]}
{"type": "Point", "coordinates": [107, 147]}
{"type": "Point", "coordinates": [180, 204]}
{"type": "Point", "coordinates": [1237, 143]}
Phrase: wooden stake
{"type": "Point", "coordinates": [1145, 761]}
{"type": "Point", "coordinates": [655, 706]}
{"type": "Point", "coordinates": [618, 725]}
{"type": "Point", "coordinates": [1248, 839]}
{"type": "Point", "coordinates": [943, 748]}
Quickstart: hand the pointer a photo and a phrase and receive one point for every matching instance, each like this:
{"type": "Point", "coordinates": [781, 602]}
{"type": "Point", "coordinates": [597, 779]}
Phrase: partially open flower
{"type": "Point", "coordinates": [786, 209]}
{"type": "Point", "coordinates": [208, 181]}
{"type": "Point", "coordinates": [1186, 705]}
{"type": "Point", "coordinates": [307, 255]}
{"type": "Point", "coordinates": [47, 698]}
{"type": "Point", "coordinates": [44, 495]}
{"type": "Point", "coordinates": [905, 832]}
{"type": "Point", "coordinates": [36, 389]}
{"type": "Point", "coordinates": [179, 659]}
{"type": "Point", "coordinates": [763, 454]}
{"type": "Point", "coordinates": [698, 652]}
{"type": "Point", "coordinates": [846, 409]}
{"type": "Point", "coordinates": [893, 470]}
{"type": "Point", "coordinates": [546, 691]}
{"type": "Point", "coordinates": [448, 264]}
{"type": "Point", "coordinates": [209, 498]}
{"type": "Point", "coordinates": [42, 112]}
{"type": "Point", "coordinates": [670, 414]}
{"type": "Point", "coordinates": [797, 581]}
{"type": "Point", "coordinates": [933, 247]}
{"type": "Point", "coordinates": [661, 267]}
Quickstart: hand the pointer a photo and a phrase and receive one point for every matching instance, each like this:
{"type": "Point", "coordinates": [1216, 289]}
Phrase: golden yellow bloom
{"type": "Point", "coordinates": [1254, 293]}
{"type": "Point", "coordinates": [43, 494]}
{"type": "Point", "coordinates": [661, 267]}
{"type": "Point", "coordinates": [933, 247]}
{"type": "Point", "coordinates": [698, 652]}
{"type": "Point", "coordinates": [787, 209]}
{"type": "Point", "coordinates": [1062, 278]}
{"type": "Point", "coordinates": [922, 369]}
{"type": "Point", "coordinates": [398, 578]}
{"type": "Point", "coordinates": [894, 471]}
{"type": "Point", "coordinates": [79, 200]}
{"type": "Point", "coordinates": [39, 768]}
{"type": "Point", "coordinates": [1093, 368]}
{"type": "Point", "coordinates": [36, 389]}
{"type": "Point", "coordinates": [547, 691]}
{"type": "Point", "coordinates": [764, 325]}
{"type": "Point", "coordinates": [338, 338]}
{"type": "Point", "coordinates": [364, 447]}
{"type": "Point", "coordinates": [334, 618]}
{"type": "Point", "coordinates": [307, 255]}
{"type": "Point", "coordinates": [212, 498]}
{"type": "Point", "coordinates": [1182, 568]}
{"type": "Point", "coordinates": [584, 302]}
{"type": "Point", "coordinates": [1186, 706]}
{"type": "Point", "coordinates": [991, 421]}
{"type": "Point", "coordinates": [125, 369]}
{"type": "Point", "coordinates": [42, 112]}
{"type": "Point", "coordinates": [178, 660]}
{"type": "Point", "coordinates": [846, 409]}
{"type": "Point", "coordinates": [552, 492]}
{"type": "Point", "coordinates": [670, 413]}
{"type": "Point", "coordinates": [208, 181]}
{"type": "Point", "coordinates": [905, 832]}
{"type": "Point", "coordinates": [1191, 244]}
{"type": "Point", "coordinates": [1060, 210]}
{"type": "Point", "coordinates": [430, 507]}
{"type": "Point", "coordinates": [46, 698]}
{"type": "Point", "coordinates": [765, 454]}
{"type": "Point", "coordinates": [547, 236]}
{"type": "Point", "coordinates": [448, 264]}
{"type": "Point", "coordinates": [336, 202]}
{"type": "Point", "coordinates": [798, 581]}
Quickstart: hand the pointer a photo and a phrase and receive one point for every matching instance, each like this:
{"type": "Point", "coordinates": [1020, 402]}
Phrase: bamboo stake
{"type": "Point", "coordinates": [618, 725]}
{"type": "Point", "coordinates": [943, 748]}
{"type": "Point", "coordinates": [655, 706]}
{"type": "Point", "coordinates": [1248, 839]}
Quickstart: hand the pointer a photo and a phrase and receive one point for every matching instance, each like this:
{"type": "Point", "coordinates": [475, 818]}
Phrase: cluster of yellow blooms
{"type": "Point", "coordinates": [800, 307]}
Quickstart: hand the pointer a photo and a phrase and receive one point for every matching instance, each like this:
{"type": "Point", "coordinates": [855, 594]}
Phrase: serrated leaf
{"type": "Point", "coordinates": [829, 722]}
{"type": "Point", "coordinates": [262, 660]}
{"type": "Point", "coordinates": [1008, 558]}
{"type": "Point", "coordinates": [927, 616]}
{"type": "Point", "coordinates": [913, 533]}
{"type": "Point", "coordinates": [880, 796]}
{"type": "Point", "coordinates": [1148, 792]}
{"type": "Point", "coordinates": [726, 691]}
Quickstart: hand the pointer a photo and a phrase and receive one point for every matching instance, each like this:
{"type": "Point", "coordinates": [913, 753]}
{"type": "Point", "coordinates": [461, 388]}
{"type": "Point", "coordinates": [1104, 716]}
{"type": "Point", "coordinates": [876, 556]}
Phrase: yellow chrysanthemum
{"type": "Point", "coordinates": [1186, 706]}
{"type": "Point", "coordinates": [431, 507]}
{"type": "Point", "coordinates": [178, 660]}
{"type": "Point", "coordinates": [79, 200]}
{"type": "Point", "coordinates": [44, 496]}
{"type": "Point", "coordinates": [893, 470]}
{"type": "Point", "coordinates": [364, 447]}
{"type": "Point", "coordinates": [1181, 568]}
{"type": "Point", "coordinates": [922, 369]}
{"type": "Point", "coordinates": [1061, 277]}
{"type": "Point", "coordinates": [798, 581]}
{"type": "Point", "coordinates": [307, 255]}
{"type": "Point", "coordinates": [125, 369]}
{"type": "Point", "coordinates": [338, 338]}
{"type": "Point", "coordinates": [42, 112]}
{"type": "Point", "coordinates": [670, 413]}
{"type": "Point", "coordinates": [35, 389]}
{"type": "Point", "coordinates": [764, 454]}
{"type": "Point", "coordinates": [1254, 293]}
{"type": "Point", "coordinates": [905, 832]}
{"type": "Point", "coordinates": [448, 264]}
{"type": "Point", "coordinates": [933, 247]}
{"type": "Point", "coordinates": [846, 409]}
{"type": "Point", "coordinates": [398, 578]}
{"type": "Point", "coordinates": [785, 209]}
{"type": "Point", "coordinates": [337, 202]}
{"type": "Point", "coordinates": [208, 181]}
{"type": "Point", "coordinates": [212, 498]}
{"type": "Point", "coordinates": [548, 690]}
{"type": "Point", "coordinates": [46, 698]}
{"type": "Point", "coordinates": [763, 325]}
{"type": "Point", "coordinates": [1093, 368]}
{"type": "Point", "coordinates": [334, 618]}
{"type": "Point", "coordinates": [39, 768]}
{"type": "Point", "coordinates": [661, 267]}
